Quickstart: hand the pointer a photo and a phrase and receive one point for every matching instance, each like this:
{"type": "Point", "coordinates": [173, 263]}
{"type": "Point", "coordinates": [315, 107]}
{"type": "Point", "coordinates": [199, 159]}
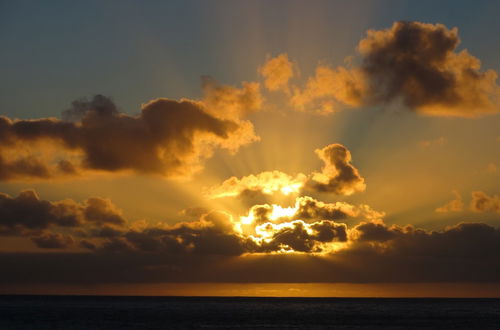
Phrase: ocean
{"type": "Point", "coordinates": [103, 312]}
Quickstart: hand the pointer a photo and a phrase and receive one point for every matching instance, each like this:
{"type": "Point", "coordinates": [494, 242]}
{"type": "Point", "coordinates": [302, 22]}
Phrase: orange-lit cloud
{"type": "Point", "coordinates": [337, 176]}
{"type": "Point", "coordinates": [481, 202]}
{"type": "Point", "coordinates": [277, 72]}
{"type": "Point", "coordinates": [168, 138]}
{"type": "Point", "coordinates": [309, 210]}
{"type": "Point", "coordinates": [229, 102]}
{"type": "Point", "coordinates": [265, 183]}
{"type": "Point", "coordinates": [414, 63]}
{"type": "Point", "coordinates": [329, 90]}
{"type": "Point", "coordinates": [455, 205]}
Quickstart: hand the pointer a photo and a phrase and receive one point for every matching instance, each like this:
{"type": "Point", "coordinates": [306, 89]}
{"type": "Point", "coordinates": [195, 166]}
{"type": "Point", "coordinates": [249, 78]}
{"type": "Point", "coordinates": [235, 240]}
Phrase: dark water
{"type": "Point", "coordinates": [80, 312]}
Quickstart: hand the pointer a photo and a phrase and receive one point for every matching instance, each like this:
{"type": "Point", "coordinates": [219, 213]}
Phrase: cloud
{"type": "Point", "coordinates": [338, 176]}
{"type": "Point", "coordinates": [277, 72]}
{"type": "Point", "coordinates": [412, 63]}
{"type": "Point", "coordinates": [329, 90]}
{"type": "Point", "coordinates": [168, 138]}
{"type": "Point", "coordinates": [229, 102]}
{"type": "Point", "coordinates": [298, 236]}
{"type": "Point", "coordinates": [455, 205]}
{"type": "Point", "coordinates": [27, 214]}
{"type": "Point", "coordinates": [481, 202]}
{"type": "Point", "coordinates": [367, 252]}
{"type": "Point", "coordinates": [312, 241]}
{"type": "Point", "coordinates": [53, 241]}
{"type": "Point", "coordinates": [308, 210]}
{"type": "Point", "coordinates": [265, 182]}
{"type": "Point", "coordinates": [213, 234]}
{"type": "Point", "coordinates": [463, 240]}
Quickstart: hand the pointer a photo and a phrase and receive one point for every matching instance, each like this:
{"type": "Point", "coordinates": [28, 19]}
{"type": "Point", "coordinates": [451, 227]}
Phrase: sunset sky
{"type": "Point", "coordinates": [309, 148]}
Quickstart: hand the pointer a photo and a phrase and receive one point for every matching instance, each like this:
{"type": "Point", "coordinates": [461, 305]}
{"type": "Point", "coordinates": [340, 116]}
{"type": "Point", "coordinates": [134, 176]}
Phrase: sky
{"type": "Point", "coordinates": [238, 148]}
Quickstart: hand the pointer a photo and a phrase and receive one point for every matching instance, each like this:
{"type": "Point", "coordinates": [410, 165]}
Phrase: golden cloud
{"type": "Point", "coordinates": [482, 202]}
{"type": "Point", "coordinates": [455, 205]}
{"type": "Point", "coordinates": [337, 176]}
{"type": "Point", "coordinates": [277, 72]}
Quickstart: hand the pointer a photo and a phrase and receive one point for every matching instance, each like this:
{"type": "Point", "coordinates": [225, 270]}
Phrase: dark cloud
{"type": "Point", "coordinates": [27, 213]}
{"type": "Point", "coordinates": [98, 106]}
{"type": "Point", "coordinates": [213, 233]}
{"type": "Point", "coordinates": [168, 138]}
{"type": "Point", "coordinates": [23, 167]}
{"type": "Point", "coordinates": [53, 241]}
{"type": "Point", "coordinates": [301, 237]}
{"type": "Point", "coordinates": [338, 175]}
{"type": "Point", "coordinates": [463, 240]}
{"type": "Point", "coordinates": [217, 247]}
{"type": "Point", "coordinates": [466, 252]}
{"type": "Point", "coordinates": [414, 63]}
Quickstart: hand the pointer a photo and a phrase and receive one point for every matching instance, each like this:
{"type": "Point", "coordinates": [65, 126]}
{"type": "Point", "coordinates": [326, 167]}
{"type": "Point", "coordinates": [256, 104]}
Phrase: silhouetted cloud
{"type": "Point", "coordinates": [338, 175]}
{"type": "Point", "coordinates": [27, 214]}
{"type": "Point", "coordinates": [369, 252]}
{"type": "Point", "coordinates": [299, 236]}
{"type": "Point", "coordinates": [168, 138]}
{"type": "Point", "coordinates": [414, 63]}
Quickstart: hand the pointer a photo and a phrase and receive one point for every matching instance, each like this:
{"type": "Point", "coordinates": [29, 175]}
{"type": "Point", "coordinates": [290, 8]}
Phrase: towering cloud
{"type": "Point", "coordinates": [338, 175]}
{"type": "Point", "coordinates": [414, 63]}
{"type": "Point", "coordinates": [168, 138]}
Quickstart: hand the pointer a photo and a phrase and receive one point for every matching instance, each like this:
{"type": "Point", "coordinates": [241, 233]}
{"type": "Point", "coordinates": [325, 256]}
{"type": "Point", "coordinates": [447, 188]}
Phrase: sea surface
{"type": "Point", "coordinates": [93, 312]}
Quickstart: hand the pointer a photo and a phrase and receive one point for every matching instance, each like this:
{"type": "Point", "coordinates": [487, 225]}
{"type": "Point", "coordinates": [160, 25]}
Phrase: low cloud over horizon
{"type": "Point", "coordinates": [218, 246]}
